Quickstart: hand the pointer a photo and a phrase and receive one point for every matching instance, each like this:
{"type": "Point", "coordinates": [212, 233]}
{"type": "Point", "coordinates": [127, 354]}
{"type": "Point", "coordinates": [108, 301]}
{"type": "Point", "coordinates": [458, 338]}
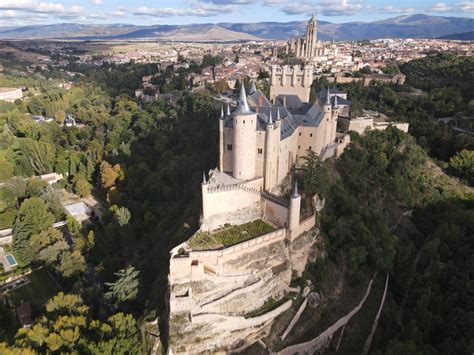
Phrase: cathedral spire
{"type": "Point", "coordinates": [328, 98]}
{"type": "Point", "coordinates": [242, 106]}
{"type": "Point", "coordinates": [228, 110]}
{"type": "Point", "coordinates": [204, 182]}
{"type": "Point", "coordinates": [335, 102]}
{"type": "Point", "coordinates": [222, 112]}
{"type": "Point", "coordinates": [270, 119]}
{"type": "Point", "coordinates": [278, 114]}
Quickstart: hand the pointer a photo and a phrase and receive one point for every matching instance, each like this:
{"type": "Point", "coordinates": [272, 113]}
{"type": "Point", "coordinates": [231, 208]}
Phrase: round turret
{"type": "Point", "coordinates": [245, 139]}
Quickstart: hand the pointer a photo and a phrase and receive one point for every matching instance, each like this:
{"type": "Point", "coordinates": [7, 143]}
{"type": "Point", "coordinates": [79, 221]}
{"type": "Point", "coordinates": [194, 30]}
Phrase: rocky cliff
{"type": "Point", "coordinates": [233, 301]}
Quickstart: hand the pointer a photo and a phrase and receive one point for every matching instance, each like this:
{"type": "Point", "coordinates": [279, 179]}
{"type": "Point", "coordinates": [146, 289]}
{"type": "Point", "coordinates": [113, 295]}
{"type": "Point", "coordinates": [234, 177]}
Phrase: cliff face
{"type": "Point", "coordinates": [231, 301]}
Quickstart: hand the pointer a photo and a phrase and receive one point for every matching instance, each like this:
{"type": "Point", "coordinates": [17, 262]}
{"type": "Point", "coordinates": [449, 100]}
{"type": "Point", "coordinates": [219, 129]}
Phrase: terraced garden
{"type": "Point", "coordinates": [231, 235]}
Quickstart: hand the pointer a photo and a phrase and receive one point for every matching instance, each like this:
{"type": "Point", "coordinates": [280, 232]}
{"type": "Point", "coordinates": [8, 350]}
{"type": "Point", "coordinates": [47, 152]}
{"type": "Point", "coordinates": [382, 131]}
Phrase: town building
{"type": "Point", "coordinates": [10, 94]}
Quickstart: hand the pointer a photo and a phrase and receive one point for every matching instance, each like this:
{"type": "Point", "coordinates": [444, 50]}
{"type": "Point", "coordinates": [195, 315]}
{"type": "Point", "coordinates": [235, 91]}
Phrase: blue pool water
{"type": "Point", "coordinates": [11, 259]}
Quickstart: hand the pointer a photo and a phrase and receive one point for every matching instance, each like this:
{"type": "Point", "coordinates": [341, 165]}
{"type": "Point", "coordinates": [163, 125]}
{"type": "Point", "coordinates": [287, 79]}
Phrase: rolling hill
{"type": "Point", "coordinates": [413, 26]}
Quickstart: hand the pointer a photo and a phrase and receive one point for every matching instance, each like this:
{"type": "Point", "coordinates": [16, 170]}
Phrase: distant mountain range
{"type": "Point", "coordinates": [413, 26]}
{"type": "Point", "coordinates": [465, 36]}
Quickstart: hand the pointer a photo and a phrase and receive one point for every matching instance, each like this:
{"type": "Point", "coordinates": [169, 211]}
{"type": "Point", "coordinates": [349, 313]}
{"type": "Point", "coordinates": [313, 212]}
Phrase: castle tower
{"type": "Point", "coordinates": [335, 115]}
{"type": "Point", "coordinates": [204, 186]}
{"type": "Point", "coordinates": [295, 80]}
{"type": "Point", "coordinates": [221, 140]}
{"type": "Point", "coordinates": [245, 139]}
{"type": "Point", "coordinates": [327, 120]}
{"type": "Point", "coordinates": [295, 208]}
{"type": "Point", "coordinates": [271, 151]}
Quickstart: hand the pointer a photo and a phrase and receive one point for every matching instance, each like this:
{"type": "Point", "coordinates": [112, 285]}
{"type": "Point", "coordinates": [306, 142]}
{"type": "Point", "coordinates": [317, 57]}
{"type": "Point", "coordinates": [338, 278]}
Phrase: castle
{"type": "Point", "coordinates": [261, 141]}
{"type": "Point", "coordinates": [222, 277]}
{"type": "Point", "coordinates": [215, 289]}
{"type": "Point", "coordinates": [308, 49]}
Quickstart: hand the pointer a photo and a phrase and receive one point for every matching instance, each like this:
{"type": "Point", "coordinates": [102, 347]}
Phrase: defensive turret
{"type": "Point", "coordinates": [245, 139]}
{"type": "Point", "coordinates": [295, 207]}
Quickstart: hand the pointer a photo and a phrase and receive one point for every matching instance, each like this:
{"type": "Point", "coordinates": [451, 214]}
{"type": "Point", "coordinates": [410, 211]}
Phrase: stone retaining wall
{"type": "Point", "coordinates": [191, 267]}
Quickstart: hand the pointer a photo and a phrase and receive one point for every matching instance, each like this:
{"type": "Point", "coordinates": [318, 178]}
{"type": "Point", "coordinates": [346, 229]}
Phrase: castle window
{"type": "Point", "coordinates": [299, 147]}
{"type": "Point", "coordinates": [311, 134]}
{"type": "Point", "coordinates": [260, 150]}
{"type": "Point", "coordinates": [229, 146]}
{"type": "Point", "coordinates": [244, 121]}
{"type": "Point", "coordinates": [300, 134]}
{"type": "Point", "coordinates": [310, 148]}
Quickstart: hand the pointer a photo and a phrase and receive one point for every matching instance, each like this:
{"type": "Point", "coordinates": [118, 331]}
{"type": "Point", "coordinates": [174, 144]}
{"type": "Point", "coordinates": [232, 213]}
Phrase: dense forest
{"type": "Point", "coordinates": [390, 208]}
{"type": "Point", "coordinates": [388, 205]}
{"type": "Point", "coordinates": [144, 162]}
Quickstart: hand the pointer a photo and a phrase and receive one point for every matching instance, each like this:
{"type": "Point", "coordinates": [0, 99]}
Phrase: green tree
{"type": "Point", "coordinates": [125, 288]}
{"type": "Point", "coordinates": [462, 165]}
{"type": "Point", "coordinates": [36, 187]}
{"type": "Point", "coordinates": [315, 175]}
{"type": "Point", "coordinates": [32, 218]}
{"type": "Point", "coordinates": [122, 216]}
{"type": "Point", "coordinates": [82, 187]}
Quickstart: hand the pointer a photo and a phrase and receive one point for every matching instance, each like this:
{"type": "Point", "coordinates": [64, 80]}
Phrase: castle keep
{"type": "Point", "coordinates": [260, 142]}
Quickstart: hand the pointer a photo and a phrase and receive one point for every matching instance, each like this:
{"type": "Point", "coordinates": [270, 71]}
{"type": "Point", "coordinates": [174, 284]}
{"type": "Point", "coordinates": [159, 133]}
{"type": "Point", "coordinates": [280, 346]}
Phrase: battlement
{"type": "Point", "coordinates": [291, 80]}
{"type": "Point", "coordinates": [298, 69]}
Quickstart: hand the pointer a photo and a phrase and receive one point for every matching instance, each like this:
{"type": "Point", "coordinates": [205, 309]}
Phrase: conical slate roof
{"type": "Point", "coordinates": [243, 106]}
{"type": "Point", "coordinates": [328, 98]}
{"type": "Point", "coordinates": [253, 88]}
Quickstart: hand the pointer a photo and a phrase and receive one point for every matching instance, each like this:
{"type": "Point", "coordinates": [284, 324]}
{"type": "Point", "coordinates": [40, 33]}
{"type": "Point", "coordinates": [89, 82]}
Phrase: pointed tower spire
{"type": "Point", "coordinates": [253, 88]}
{"type": "Point", "coordinates": [328, 98]}
{"type": "Point", "coordinates": [270, 119]}
{"type": "Point", "coordinates": [243, 107]}
{"type": "Point", "coordinates": [204, 182]}
{"type": "Point", "coordinates": [278, 114]}
{"type": "Point", "coordinates": [228, 110]}
{"type": "Point", "coordinates": [222, 112]}
{"type": "Point", "coordinates": [335, 102]}
{"type": "Point", "coordinates": [295, 193]}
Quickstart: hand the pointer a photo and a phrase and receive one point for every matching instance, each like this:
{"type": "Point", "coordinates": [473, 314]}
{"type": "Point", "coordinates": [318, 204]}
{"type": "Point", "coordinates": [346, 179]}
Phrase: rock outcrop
{"type": "Point", "coordinates": [230, 297]}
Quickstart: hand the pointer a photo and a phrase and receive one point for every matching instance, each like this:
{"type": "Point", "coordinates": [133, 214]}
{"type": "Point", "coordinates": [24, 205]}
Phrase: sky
{"type": "Point", "coordinates": [151, 12]}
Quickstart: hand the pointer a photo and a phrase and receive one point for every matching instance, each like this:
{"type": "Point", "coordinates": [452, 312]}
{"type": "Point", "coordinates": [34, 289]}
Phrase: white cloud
{"type": "Point", "coordinates": [272, 2]}
{"type": "Point", "coordinates": [467, 6]}
{"type": "Point", "coordinates": [199, 9]}
{"type": "Point", "coordinates": [96, 2]}
{"type": "Point", "coordinates": [396, 10]}
{"type": "Point", "coordinates": [8, 14]}
{"type": "Point", "coordinates": [230, 2]}
{"type": "Point", "coordinates": [326, 8]}
{"type": "Point", "coordinates": [440, 7]}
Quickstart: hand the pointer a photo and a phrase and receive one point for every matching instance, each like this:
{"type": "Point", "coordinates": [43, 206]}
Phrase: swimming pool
{"type": "Point", "coordinates": [11, 259]}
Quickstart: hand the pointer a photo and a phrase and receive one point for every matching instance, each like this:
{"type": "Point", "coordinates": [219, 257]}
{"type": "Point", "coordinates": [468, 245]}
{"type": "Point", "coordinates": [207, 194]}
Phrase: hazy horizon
{"type": "Point", "coordinates": [16, 13]}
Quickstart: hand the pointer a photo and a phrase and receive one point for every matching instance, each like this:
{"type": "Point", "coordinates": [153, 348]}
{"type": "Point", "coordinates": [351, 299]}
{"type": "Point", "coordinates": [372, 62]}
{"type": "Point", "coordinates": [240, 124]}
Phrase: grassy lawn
{"type": "Point", "coordinates": [231, 235]}
{"type": "Point", "coordinates": [41, 289]}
